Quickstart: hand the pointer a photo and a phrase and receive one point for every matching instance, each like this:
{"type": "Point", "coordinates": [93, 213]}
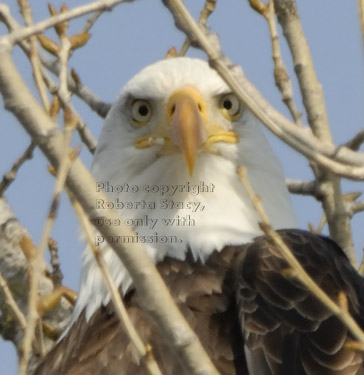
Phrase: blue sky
{"type": "Point", "coordinates": [136, 34]}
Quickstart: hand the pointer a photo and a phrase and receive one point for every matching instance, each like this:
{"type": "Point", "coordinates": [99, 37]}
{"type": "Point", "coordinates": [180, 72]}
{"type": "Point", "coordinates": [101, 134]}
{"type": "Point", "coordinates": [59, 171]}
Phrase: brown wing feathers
{"type": "Point", "coordinates": [284, 325]}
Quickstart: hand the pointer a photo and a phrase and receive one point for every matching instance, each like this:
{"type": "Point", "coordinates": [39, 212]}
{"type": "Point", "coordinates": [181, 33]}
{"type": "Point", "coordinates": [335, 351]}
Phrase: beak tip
{"type": "Point", "coordinates": [190, 161]}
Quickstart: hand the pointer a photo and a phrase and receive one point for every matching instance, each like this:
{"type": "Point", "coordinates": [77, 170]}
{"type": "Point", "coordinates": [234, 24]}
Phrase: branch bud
{"type": "Point", "coordinates": [48, 45]}
{"type": "Point", "coordinates": [75, 77]}
{"type": "Point", "coordinates": [79, 40]}
{"type": "Point", "coordinates": [55, 107]}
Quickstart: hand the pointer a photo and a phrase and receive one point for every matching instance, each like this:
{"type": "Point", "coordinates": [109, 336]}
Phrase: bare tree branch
{"type": "Point", "coordinates": [33, 55]}
{"type": "Point", "coordinates": [361, 15]}
{"type": "Point", "coordinates": [91, 21]}
{"type": "Point", "coordinates": [341, 161]}
{"type": "Point", "coordinates": [18, 35]}
{"type": "Point", "coordinates": [303, 188]}
{"type": "Point", "coordinates": [83, 92]}
{"type": "Point", "coordinates": [10, 176]}
{"type": "Point", "coordinates": [297, 271]}
{"type": "Point", "coordinates": [56, 274]}
{"type": "Point", "coordinates": [328, 184]}
{"type": "Point", "coordinates": [73, 82]}
{"type": "Point", "coordinates": [313, 144]}
{"type": "Point", "coordinates": [338, 219]}
{"type": "Point", "coordinates": [206, 12]}
{"type": "Point", "coordinates": [85, 134]}
{"type": "Point", "coordinates": [311, 89]}
{"type": "Point", "coordinates": [36, 262]}
{"type": "Point", "coordinates": [355, 207]}
{"type": "Point", "coordinates": [281, 76]}
{"type": "Point", "coordinates": [145, 355]}
{"type": "Point", "coordinates": [361, 266]}
{"type": "Point", "coordinates": [356, 142]}
{"type": "Point", "coordinates": [10, 301]}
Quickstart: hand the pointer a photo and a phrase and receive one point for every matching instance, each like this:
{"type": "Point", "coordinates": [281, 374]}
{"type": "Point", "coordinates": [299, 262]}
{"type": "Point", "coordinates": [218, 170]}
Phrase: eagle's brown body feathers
{"type": "Point", "coordinates": [287, 331]}
{"type": "Point", "coordinates": [205, 295]}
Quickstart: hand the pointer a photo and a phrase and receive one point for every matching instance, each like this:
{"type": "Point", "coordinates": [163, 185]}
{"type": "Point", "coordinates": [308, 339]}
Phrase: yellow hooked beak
{"type": "Point", "coordinates": [188, 124]}
{"type": "Point", "coordinates": [187, 129]}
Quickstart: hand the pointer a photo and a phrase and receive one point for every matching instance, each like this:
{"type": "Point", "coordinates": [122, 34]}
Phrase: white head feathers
{"type": "Point", "coordinates": [177, 125]}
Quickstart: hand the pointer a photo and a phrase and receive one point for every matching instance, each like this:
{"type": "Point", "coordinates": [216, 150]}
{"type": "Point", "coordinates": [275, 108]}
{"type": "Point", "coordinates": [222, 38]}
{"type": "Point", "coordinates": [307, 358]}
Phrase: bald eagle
{"type": "Point", "coordinates": [167, 159]}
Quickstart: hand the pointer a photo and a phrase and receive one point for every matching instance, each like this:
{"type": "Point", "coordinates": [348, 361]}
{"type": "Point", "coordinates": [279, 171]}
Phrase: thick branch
{"type": "Point", "coordinates": [312, 93]}
{"type": "Point", "coordinates": [303, 188]}
{"type": "Point", "coordinates": [313, 99]}
{"type": "Point", "coordinates": [206, 12]}
{"type": "Point", "coordinates": [341, 161]}
{"type": "Point", "coordinates": [154, 294]}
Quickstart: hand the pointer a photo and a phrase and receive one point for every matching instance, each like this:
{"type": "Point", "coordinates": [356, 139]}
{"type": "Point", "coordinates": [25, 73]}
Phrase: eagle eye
{"type": "Point", "coordinates": [141, 112]}
{"type": "Point", "coordinates": [230, 106]}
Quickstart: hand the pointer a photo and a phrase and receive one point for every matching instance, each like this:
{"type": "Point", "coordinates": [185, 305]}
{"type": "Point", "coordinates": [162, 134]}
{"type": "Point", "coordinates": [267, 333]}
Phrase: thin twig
{"type": "Point", "coordinates": [351, 206]}
{"type": "Point", "coordinates": [256, 199]}
{"type": "Point", "coordinates": [300, 274]}
{"type": "Point", "coordinates": [63, 56]}
{"type": "Point", "coordinates": [354, 345]}
{"type": "Point", "coordinates": [23, 33]}
{"type": "Point", "coordinates": [12, 303]}
{"type": "Point", "coordinates": [355, 143]}
{"type": "Point", "coordinates": [33, 55]}
{"type": "Point", "coordinates": [85, 134]}
{"type": "Point", "coordinates": [355, 207]}
{"type": "Point", "coordinates": [322, 223]}
{"type": "Point", "coordinates": [64, 166]}
{"type": "Point", "coordinates": [83, 92]}
{"type": "Point", "coordinates": [281, 76]}
{"type": "Point", "coordinates": [56, 275]}
{"type": "Point", "coordinates": [361, 266]}
{"type": "Point", "coordinates": [206, 11]}
{"type": "Point", "coordinates": [10, 176]}
{"type": "Point", "coordinates": [91, 21]}
{"type": "Point", "coordinates": [145, 353]}
{"type": "Point", "coordinates": [303, 188]}
{"type": "Point", "coordinates": [361, 16]}
{"type": "Point", "coordinates": [35, 263]}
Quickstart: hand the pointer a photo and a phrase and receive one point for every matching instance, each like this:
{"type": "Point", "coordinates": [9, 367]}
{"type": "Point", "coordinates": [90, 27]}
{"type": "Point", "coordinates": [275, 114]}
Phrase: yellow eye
{"type": "Point", "coordinates": [230, 106]}
{"type": "Point", "coordinates": [141, 112]}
